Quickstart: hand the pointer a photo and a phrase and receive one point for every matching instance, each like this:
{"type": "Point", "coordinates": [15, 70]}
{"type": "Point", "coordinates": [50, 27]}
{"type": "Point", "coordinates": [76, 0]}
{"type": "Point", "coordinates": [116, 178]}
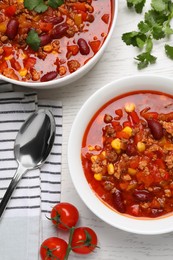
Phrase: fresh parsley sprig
{"type": "Point", "coordinates": [155, 26]}
{"type": "Point", "coordinates": [33, 40]}
{"type": "Point", "coordinates": [41, 6]}
{"type": "Point", "coordinates": [55, 3]}
{"type": "Point", "coordinates": [137, 4]}
{"type": "Point", "coordinates": [38, 6]}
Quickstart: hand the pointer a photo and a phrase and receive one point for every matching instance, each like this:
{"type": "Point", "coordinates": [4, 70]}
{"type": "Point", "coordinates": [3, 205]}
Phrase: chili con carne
{"type": "Point", "coordinates": [53, 43]}
{"type": "Point", "coordinates": [127, 154]}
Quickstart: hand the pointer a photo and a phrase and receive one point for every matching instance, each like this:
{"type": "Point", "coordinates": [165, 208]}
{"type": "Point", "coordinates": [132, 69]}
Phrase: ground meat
{"type": "Point", "coordinates": [107, 118]}
{"type": "Point", "coordinates": [108, 185]}
{"type": "Point", "coordinates": [111, 155]}
{"type": "Point", "coordinates": [121, 166]}
{"type": "Point", "coordinates": [168, 126]}
{"type": "Point", "coordinates": [73, 65]}
{"type": "Point", "coordinates": [142, 165]}
{"type": "Point", "coordinates": [35, 75]}
{"type": "Point", "coordinates": [169, 161]}
{"type": "Point", "coordinates": [109, 131]}
{"type": "Point", "coordinates": [154, 148]}
{"type": "Point", "coordinates": [96, 168]}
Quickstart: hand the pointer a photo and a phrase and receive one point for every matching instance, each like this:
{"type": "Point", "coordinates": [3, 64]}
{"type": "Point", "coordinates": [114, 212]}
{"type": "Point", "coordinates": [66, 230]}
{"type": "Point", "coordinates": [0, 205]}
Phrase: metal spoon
{"type": "Point", "coordinates": [32, 146]}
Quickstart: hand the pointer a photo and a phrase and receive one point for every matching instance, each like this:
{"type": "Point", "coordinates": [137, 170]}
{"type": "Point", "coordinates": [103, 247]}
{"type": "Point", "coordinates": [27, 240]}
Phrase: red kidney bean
{"type": "Point", "coordinates": [131, 150]}
{"type": "Point", "coordinates": [142, 195]}
{"type": "Point", "coordinates": [12, 29]}
{"type": "Point", "coordinates": [59, 31]}
{"type": "Point", "coordinates": [83, 46]}
{"type": "Point", "coordinates": [155, 128]}
{"type": "Point", "coordinates": [118, 201]}
{"type": "Point", "coordinates": [49, 76]}
{"type": "Point", "coordinates": [45, 39]}
{"type": "Point", "coordinates": [53, 19]}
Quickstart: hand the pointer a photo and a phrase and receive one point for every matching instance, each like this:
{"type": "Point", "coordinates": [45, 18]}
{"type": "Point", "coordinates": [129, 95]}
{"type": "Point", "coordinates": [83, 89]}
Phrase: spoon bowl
{"type": "Point", "coordinates": [32, 146]}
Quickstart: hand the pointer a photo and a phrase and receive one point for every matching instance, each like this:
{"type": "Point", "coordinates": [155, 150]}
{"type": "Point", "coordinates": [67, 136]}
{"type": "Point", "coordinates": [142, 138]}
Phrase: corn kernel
{"type": "Point", "coordinates": [131, 171]}
{"type": "Point", "coordinates": [94, 158]}
{"type": "Point", "coordinates": [23, 72]}
{"type": "Point", "coordinates": [116, 144]}
{"type": "Point", "coordinates": [91, 148]}
{"type": "Point", "coordinates": [3, 27]}
{"type": "Point", "coordinates": [8, 57]}
{"type": "Point", "coordinates": [129, 107]}
{"type": "Point", "coordinates": [48, 48]}
{"type": "Point", "coordinates": [128, 130]}
{"type": "Point", "coordinates": [104, 154]}
{"type": "Point", "coordinates": [111, 169]}
{"type": "Point", "coordinates": [98, 176]}
{"type": "Point", "coordinates": [131, 186]}
{"type": "Point", "coordinates": [20, 1]}
{"type": "Point", "coordinates": [78, 19]}
{"type": "Point", "coordinates": [54, 52]}
{"type": "Point", "coordinates": [23, 55]}
{"type": "Point", "coordinates": [141, 146]}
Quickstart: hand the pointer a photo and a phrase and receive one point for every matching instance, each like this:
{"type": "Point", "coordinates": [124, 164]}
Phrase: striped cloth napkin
{"type": "Point", "coordinates": [22, 224]}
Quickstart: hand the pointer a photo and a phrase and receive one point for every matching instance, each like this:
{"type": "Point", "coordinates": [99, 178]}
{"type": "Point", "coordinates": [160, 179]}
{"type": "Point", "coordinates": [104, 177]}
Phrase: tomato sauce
{"type": "Point", "coordinates": [62, 40]}
{"type": "Point", "coordinates": [127, 154]}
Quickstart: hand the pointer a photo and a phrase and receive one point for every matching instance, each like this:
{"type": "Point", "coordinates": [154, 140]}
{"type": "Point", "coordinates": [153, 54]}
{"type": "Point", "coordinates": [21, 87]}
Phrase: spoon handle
{"type": "Point", "coordinates": [17, 176]}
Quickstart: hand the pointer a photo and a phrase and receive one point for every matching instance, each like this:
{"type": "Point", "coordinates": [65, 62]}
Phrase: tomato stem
{"type": "Point", "coordinates": [58, 221]}
{"type": "Point", "coordinates": [69, 248]}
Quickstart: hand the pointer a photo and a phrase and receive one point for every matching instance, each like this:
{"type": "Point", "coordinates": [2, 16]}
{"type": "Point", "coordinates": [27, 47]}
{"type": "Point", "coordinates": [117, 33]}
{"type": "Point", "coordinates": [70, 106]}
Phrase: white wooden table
{"type": "Point", "coordinates": [116, 62]}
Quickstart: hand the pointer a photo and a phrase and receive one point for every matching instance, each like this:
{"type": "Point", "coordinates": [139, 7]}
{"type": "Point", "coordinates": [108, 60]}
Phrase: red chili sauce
{"type": "Point", "coordinates": [127, 154]}
{"type": "Point", "coordinates": [41, 46]}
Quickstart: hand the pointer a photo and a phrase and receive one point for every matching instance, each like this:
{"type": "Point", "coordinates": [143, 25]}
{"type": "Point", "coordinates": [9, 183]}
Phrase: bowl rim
{"type": "Point", "coordinates": [92, 104]}
{"type": "Point", "coordinates": [56, 83]}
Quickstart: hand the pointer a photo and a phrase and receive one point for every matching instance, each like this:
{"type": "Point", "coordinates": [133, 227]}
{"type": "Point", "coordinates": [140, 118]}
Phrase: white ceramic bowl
{"type": "Point", "coordinates": [99, 98]}
{"type": "Point", "coordinates": [77, 74]}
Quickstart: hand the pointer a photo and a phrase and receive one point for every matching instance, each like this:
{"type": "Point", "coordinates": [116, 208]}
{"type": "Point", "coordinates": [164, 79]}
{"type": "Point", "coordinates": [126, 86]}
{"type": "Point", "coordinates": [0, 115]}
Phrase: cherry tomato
{"type": "Point", "coordinates": [53, 248]}
{"type": "Point", "coordinates": [64, 215]}
{"type": "Point", "coordinates": [84, 240]}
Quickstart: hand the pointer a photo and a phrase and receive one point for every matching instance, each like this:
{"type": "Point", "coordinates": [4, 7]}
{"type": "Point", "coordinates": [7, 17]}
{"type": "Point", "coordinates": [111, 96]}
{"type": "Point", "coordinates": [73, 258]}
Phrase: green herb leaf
{"type": "Point", "coordinates": [145, 59]}
{"type": "Point", "coordinates": [140, 43]}
{"type": "Point", "coordinates": [30, 5]}
{"type": "Point", "coordinates": [139, 7]}
{"type": "Point", "coordinates": [33, 40]}
{"type": "Point", "coordinates": [169, 51]}
{"type": "Point", "coordinates": [137, 4]}
{"type": "Point", "coordinates": [158, 32]}
{"type": "Point", "coordinates": [41, 8]}
{"type": "Point", "coordinates": [159, 5]}
{"type": "Point", "coordinates": [149, 45]}
{"type": "Point", "coordinates": [156, 25]}
{"type": "Point", "coordinates": [134, 38]}
{"type": "Point", "coordinates": [55, 3]}
{"type": "Point", "coordinates": [152, 18]}
{"type": "Point", "coordinates": [37, 5]}
{"type": "Point", "coordinates": [143, 27]}
{"type": "Point", "coordinates": [167, 29]}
